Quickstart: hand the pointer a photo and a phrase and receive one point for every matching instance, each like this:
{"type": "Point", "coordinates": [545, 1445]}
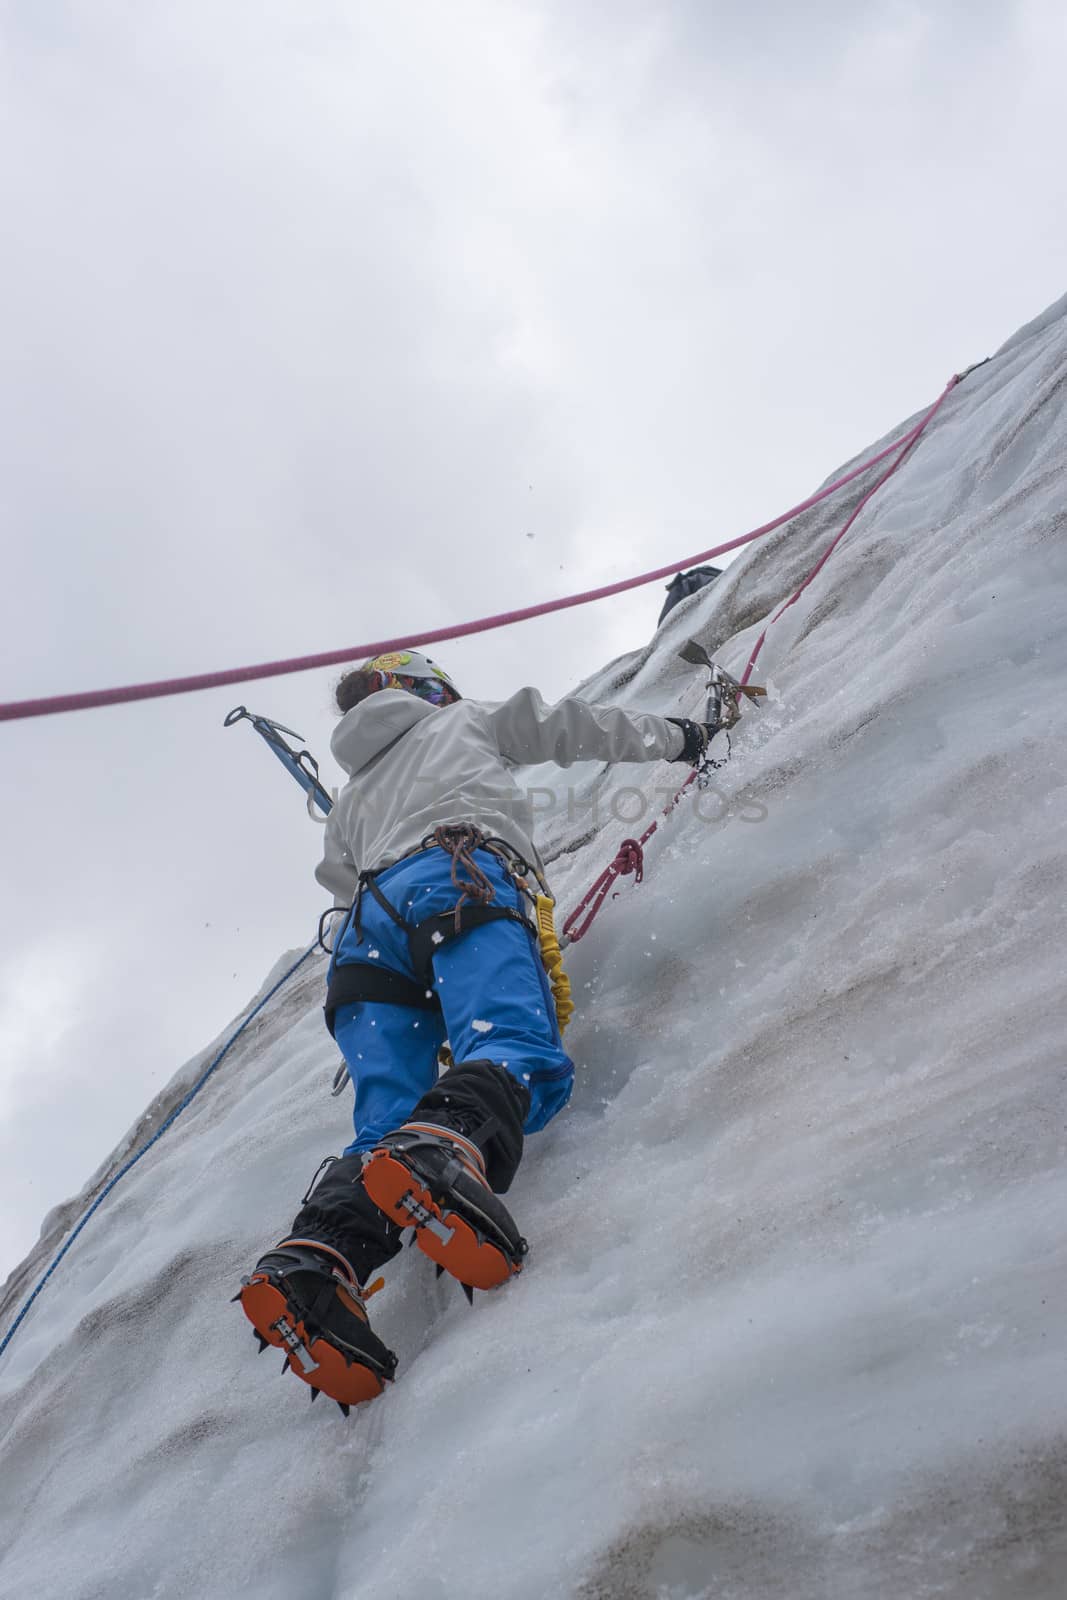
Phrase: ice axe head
{"type": "Point", "coordinates": [724, 691]}
{"type": "Point", "coordinates": [696, 655]}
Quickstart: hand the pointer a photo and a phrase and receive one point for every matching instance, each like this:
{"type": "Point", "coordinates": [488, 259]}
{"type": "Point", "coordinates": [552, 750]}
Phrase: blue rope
{"type": "Point", "coordinates": [160, 1131]}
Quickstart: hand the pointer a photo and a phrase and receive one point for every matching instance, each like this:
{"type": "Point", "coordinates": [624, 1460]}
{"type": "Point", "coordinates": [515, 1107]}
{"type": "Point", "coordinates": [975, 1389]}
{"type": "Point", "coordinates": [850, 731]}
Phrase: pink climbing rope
{"type": "Point", "coordinates": [15, 709]}
{"type": "Point", "coordinates": [630, 856]}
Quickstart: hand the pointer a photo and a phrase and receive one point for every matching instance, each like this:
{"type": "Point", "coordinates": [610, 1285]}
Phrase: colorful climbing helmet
{"type": "Point", "coordinates": [410, 670]}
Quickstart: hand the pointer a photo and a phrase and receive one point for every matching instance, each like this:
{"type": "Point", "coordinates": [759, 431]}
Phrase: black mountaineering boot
{"type": "Point", "coordinates": [442, 1171]}
{"type": "Point", "coordinates": [303, 1297]}
{"type": "Point", "coordinates": [433, 1179]}
{"type": "Point", "coordinates": [438, 1173]}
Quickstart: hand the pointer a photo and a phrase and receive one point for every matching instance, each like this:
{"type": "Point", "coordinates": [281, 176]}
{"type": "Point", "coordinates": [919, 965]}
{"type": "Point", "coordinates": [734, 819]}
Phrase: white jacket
{"type": "Point", "coordinates": [413, 766]}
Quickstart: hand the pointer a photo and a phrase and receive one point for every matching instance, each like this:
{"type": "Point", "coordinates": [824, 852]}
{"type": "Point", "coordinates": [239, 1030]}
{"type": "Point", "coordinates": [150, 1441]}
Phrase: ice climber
{"type": "Point", "coordinates": [429, 851]}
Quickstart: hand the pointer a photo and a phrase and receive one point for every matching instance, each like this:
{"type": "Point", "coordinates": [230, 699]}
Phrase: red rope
{"type": "Point", "coordinates": [15, 709]}
{"type": "Point", "coordinates": [631, 849]}
{"type": "Point", "coordinates": [630, 858]}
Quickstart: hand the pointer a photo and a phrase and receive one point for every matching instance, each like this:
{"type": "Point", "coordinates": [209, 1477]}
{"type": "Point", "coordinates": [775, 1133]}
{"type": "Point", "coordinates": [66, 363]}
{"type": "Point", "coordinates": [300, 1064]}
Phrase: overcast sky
{"type": "Point", "coordinates": [324, 321]}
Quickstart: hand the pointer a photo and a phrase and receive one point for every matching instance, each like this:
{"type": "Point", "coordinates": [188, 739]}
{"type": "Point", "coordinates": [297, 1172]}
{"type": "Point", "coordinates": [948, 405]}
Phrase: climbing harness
{"type": "Point", "coordinates": [357, 981]}
{"type": "Point", "coordinates": [301, 764]}
{"type": "Point", "coordinates": [476, 891]}
{"type": "Point", "coordinates": [360, 981]}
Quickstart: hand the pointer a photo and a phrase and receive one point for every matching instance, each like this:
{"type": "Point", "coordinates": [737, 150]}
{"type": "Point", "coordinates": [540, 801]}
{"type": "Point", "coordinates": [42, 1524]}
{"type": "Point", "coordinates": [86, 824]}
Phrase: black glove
{"type": "Point", "coordinates": [698, 735]}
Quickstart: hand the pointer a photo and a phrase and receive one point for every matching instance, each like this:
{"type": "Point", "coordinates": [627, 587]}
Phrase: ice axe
{"type": "Point", "coordinates": [300, 764]}
{"type": "Point", "coordinates": [724, 691]}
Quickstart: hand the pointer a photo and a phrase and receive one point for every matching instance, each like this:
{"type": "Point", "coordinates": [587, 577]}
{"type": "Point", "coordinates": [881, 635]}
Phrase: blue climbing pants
{"type": "Point", "coordinates": [496, 1004]}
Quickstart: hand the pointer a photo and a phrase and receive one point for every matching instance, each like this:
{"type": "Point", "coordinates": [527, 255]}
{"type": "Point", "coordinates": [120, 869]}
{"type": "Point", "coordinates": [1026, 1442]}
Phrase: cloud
{"type": "Point", "coordinates": [39, 1011]}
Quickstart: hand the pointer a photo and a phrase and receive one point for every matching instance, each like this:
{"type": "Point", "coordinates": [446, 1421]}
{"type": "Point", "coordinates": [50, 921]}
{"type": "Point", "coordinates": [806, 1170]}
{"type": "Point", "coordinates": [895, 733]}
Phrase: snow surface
{"type": "Point", "coordinates": [793, 1319]}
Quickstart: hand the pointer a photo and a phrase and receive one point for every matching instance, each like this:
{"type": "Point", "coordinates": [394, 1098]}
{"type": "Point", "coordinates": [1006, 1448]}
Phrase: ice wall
{"type": "Point", "coordinates": [793, 1320]}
